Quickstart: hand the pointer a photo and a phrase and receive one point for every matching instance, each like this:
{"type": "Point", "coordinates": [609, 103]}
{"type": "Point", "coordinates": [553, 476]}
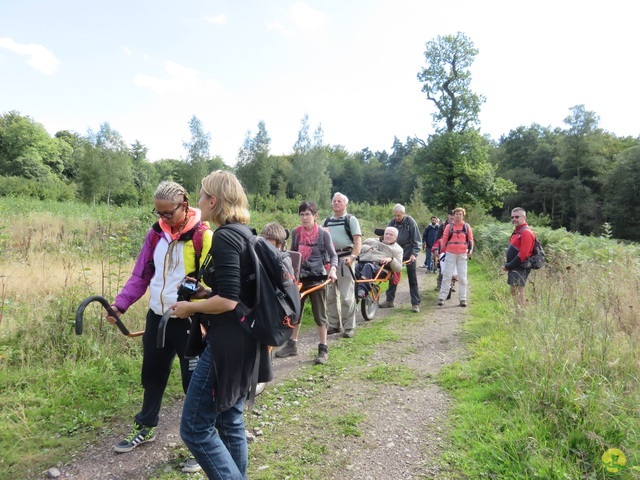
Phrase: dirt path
{"type": "Point", "coordinates": [403, 432]}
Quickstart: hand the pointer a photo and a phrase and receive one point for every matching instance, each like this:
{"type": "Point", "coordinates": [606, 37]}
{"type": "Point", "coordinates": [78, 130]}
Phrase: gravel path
{"type": "Point", "coordinates": [403, 431]}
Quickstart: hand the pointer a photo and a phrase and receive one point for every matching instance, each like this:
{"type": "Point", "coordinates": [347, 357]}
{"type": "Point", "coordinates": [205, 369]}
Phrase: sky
{"type": "Point", "coordinates": [146, 67]}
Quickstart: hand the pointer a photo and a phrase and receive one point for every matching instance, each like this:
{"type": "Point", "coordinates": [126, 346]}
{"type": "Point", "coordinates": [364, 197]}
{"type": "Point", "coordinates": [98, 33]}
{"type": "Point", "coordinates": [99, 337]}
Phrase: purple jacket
{"type": "Point", "coordinates": [142, 273]}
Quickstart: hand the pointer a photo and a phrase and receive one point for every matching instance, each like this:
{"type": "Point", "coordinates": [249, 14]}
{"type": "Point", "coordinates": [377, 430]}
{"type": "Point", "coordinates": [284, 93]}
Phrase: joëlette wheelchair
{"type": "Point", "coordinates": [370, 303]}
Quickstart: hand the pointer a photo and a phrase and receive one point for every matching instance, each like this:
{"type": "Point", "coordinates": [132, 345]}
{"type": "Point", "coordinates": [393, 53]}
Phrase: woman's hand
{"type": "Point", "coordinates": [111, 319]}
{"type": "Point", "coordinates": [332, 274]}
{"type": "Point", "coordinates": [182, 309]}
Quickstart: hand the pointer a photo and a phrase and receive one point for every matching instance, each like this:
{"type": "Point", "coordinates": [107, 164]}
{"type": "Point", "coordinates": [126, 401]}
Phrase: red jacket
{"type": "Point", "coordinates": [520, 246]}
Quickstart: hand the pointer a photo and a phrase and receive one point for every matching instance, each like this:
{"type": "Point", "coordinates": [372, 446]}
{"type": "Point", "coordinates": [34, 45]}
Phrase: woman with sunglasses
{"type": "Point", "coordinates": [171, 251]}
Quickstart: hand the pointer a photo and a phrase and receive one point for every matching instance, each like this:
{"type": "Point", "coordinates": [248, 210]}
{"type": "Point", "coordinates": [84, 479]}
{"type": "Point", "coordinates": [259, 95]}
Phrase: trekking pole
{"type": "Point", "coordinates": [110, 311]}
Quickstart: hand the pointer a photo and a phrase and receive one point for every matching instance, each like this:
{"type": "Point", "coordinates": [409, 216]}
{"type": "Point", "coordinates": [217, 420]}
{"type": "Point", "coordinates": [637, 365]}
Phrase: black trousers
{"type": "Point", "coordinates": [157, 363]}
{"type": "Point", "coordinates": [412, 275]}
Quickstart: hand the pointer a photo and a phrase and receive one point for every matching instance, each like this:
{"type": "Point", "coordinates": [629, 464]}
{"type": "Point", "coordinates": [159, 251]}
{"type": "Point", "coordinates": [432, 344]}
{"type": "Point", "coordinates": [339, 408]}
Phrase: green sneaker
{"type": "Point", "coordinates": [139, 435]}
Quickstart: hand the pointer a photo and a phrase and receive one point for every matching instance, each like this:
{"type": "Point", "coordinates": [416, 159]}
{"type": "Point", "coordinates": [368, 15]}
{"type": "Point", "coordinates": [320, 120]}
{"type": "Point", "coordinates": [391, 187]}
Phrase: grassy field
{"type": "Point", "coordinates": [547, 391]}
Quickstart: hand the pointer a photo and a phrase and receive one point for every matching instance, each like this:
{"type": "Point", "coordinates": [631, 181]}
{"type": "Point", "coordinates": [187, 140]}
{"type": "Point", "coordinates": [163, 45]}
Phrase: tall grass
{"type": "Point", "coordinates": [553, 385]}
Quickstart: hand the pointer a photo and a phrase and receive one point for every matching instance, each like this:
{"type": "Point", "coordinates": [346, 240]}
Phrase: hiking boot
{"type": "Point", "coordinates": [463, 303]}
{"type": "Point", "coordinates": [349, 333]}
{"type": "Point", "coordinates": [386, 304]}
{"type": "Point", "coordinates": [139, 435]}
{"type": "Point", "coordinates": [191, 465]}
{"type": "Point", "coordinates": [440, 302]}
{"type": "Point", "coordinates": [323, 354]}
{"type": "Point", "coordinates": [333, 330]}
{"type": "Point", "coordinates": [415, 308]}
{"type": "Point", "coordinates": [290, 349]}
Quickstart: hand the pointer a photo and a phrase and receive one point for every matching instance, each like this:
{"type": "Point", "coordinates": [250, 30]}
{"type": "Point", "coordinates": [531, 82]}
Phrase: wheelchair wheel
{"type": "Point", "coordinates": [368, 305]}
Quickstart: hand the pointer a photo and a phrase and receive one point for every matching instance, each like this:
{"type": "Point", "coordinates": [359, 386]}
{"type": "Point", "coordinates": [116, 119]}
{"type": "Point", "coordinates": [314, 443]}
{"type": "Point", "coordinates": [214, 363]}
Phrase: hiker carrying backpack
{"type": "Point", "coordinates": [523, 254]}
{"type": "Point", "coordinates": [212, 418]}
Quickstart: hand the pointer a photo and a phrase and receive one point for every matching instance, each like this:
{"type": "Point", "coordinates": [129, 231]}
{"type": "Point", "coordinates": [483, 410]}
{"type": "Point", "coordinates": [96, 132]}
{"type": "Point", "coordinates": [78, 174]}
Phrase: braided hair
{"type": "Point", "coordinates": [170, 191]}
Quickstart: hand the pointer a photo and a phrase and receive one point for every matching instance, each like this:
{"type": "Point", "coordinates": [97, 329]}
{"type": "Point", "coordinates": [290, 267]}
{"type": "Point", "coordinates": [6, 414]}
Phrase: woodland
{"type": "Point", "coordinates": [579, 177]}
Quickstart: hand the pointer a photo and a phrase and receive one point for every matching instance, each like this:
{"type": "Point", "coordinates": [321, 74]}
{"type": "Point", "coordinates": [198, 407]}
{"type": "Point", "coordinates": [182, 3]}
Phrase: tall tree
{"type": "Point", "coordinates": [105, 171]}
{"type": "Point", "coordinates": [309, 176]}
{"type": "Point", "coordinates": [446, 81]}
{"type": "Point", "coordinates": [198, 155]}
{"type": "Point", "coordinates": [254, 165]}
{"type": "Point", "coordinates": [454, 165]}
{"type": "Point", "coordinates": [145, 176]}
{"type": "Point", "coordinates": [621, 195]}
{"type": "Point", "coordinates": [581, 162]}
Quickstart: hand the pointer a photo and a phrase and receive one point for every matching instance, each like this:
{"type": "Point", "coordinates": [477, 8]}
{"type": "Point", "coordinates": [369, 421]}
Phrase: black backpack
{"type": "Point", "coordinates": [277, 309]}
{"type": "Point", "coordinates": [536, 260]}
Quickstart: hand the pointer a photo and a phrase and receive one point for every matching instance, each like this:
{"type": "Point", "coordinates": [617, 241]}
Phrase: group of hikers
{"type": "Point", "coordinates": [217, 379]}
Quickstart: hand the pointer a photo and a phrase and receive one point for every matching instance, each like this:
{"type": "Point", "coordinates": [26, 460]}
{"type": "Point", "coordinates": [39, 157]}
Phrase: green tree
{"type": "Point", "coordinates": [105, 171]}
{"type": "Point", "coordinates": [446, 82]}
{"type": "Point", "coordinates": [454, 165]}
{"type": "Point", "coordinates": [145, 176]}
{"type": "Point", "coordinates": [582, 162]}
{"type": "Point", "coordinates": [309, 178]}
{"type": "Point", "coordinates": [254, 166]}
{"type": "Point", "coordinates": [27, 150]}
{"type": "Point", "coordinates": [581, 151]}
{"type": "Point", "coordinates": [621, 205]}
{"type": "Point", "coordinates": [455, 171]}
{"type": "Point", "coordinates": [198, 156]}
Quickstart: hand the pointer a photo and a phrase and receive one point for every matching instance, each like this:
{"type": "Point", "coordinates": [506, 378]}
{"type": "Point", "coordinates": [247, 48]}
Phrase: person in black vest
{"type": "Point", "coordinates": [409, 240]}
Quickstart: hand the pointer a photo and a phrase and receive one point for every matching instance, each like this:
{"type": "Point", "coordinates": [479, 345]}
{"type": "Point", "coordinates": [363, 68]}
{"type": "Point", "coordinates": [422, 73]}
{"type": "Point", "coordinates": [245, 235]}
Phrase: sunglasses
{"type": "Point", "coordinates": [166, 214]}
{"type": "Point", "coordinates": [514, 216]}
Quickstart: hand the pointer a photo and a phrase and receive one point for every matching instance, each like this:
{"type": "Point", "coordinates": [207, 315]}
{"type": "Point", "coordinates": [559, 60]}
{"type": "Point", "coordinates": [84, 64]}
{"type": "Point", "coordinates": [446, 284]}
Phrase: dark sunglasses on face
{"type": "Point", "coordinates": [514, 216]}
{"type": "Point", "coordinates": [166, 214]}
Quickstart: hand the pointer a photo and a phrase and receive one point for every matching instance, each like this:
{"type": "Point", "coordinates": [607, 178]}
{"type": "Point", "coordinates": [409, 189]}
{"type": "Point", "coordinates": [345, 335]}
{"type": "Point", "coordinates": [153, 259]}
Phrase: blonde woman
{"type": "Point", "coordinates": [212, 418]}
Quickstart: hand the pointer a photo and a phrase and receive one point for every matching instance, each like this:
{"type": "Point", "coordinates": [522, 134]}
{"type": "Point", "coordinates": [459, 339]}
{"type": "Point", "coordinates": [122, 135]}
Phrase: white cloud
{"type": "Point", "coordinates": [219, 19]}
{"type": "Point", "coordinates": [308, 19]}
{"type": "Point", "coordinates": [40, 58]}
{"type": "Point", "coordinates": [127, 51]}
{"type": "Point", "coordinates": [180, 80]}
{"type": "Point", "coordinates": [302, 21]}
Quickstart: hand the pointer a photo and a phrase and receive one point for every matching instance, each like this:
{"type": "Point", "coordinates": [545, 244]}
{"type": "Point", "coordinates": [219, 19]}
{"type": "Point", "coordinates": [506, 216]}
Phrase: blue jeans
{"type": "Point", "coordinates": [427, 260]}
{"type": "Point", "coordinates": [217, 440]}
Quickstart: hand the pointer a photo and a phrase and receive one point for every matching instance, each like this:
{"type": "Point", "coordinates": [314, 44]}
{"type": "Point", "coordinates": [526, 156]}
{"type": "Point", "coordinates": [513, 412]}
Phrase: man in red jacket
{"type": "Point", "coordinates": [520, 249]}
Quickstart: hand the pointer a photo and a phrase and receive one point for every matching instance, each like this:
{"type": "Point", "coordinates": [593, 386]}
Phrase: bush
{"type": "Point", "coordinates": [50, 188]}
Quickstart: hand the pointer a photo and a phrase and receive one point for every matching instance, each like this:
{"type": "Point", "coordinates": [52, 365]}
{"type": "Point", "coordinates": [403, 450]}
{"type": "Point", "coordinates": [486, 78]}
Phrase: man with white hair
{"type": "Point", "coordinates": [409, 240]}
{"type": "Point", "coordinates": [377, 254]}
{"type": "Point", "coordinates": [347, 240]}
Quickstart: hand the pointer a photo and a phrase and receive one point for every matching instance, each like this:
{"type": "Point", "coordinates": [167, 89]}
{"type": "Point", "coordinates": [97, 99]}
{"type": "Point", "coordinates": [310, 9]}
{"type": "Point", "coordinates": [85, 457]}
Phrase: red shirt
{"type": "Point", "coordinates": [520, 245]}
{"type": "Point", "coordinates": [459, 242]}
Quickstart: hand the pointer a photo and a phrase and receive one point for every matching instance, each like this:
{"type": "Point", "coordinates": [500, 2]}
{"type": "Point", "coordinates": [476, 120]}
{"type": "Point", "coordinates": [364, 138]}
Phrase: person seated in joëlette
{"type": "Point", "coordinates": [376, 254]}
